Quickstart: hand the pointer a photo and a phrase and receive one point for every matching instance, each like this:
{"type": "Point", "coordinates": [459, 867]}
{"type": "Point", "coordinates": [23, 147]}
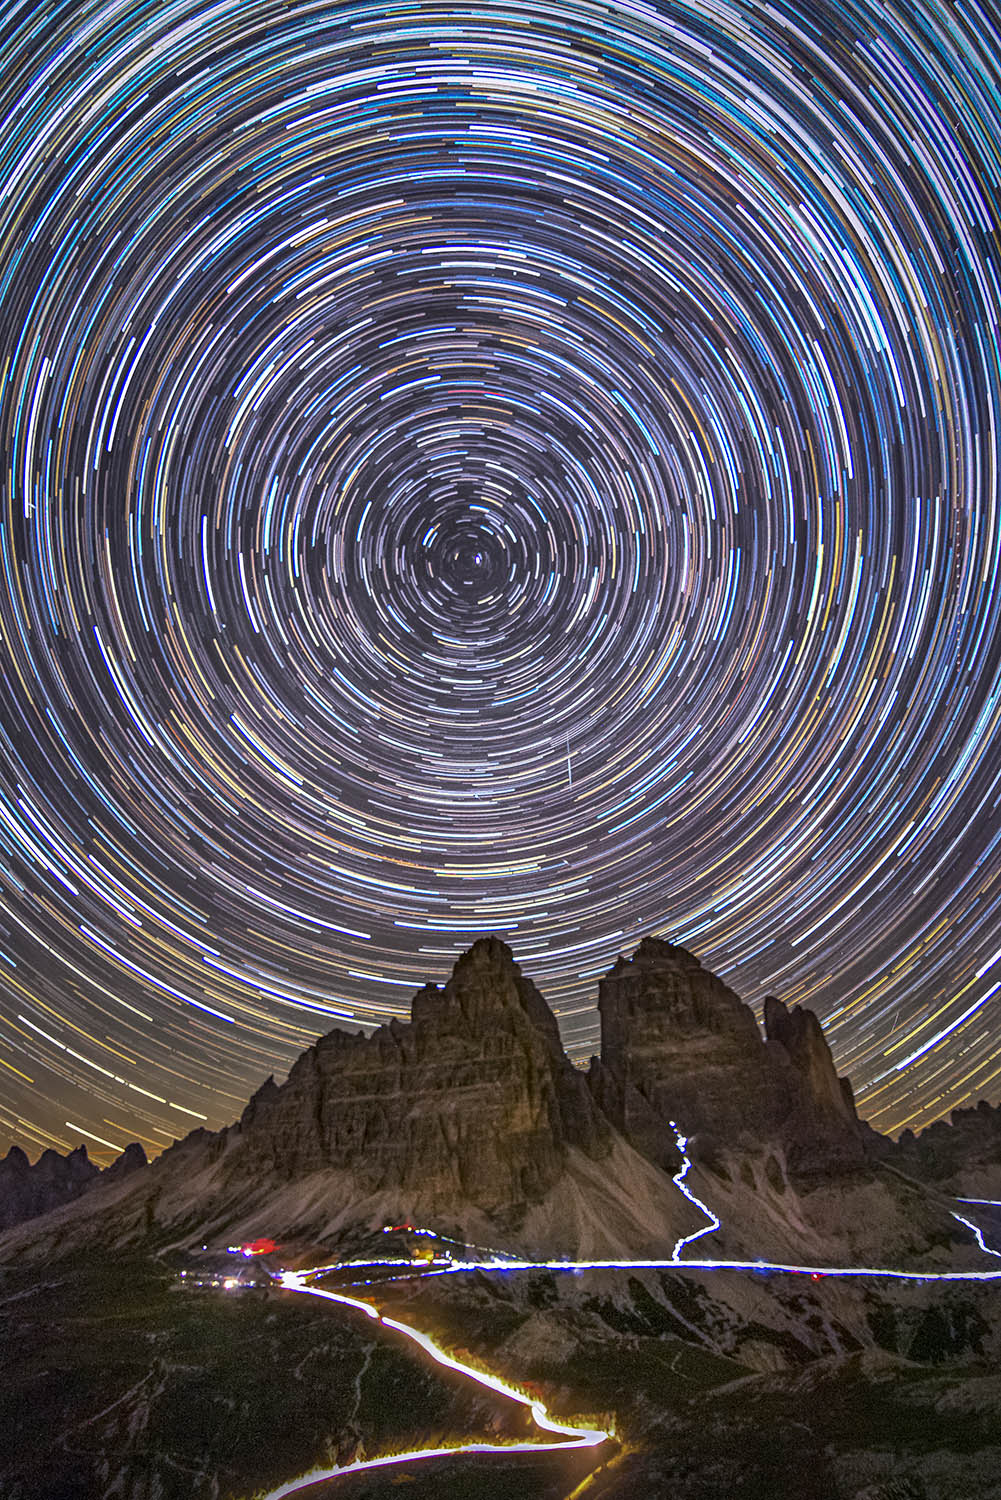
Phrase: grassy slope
{"type": "Point", "coordinates": [117, 1384]}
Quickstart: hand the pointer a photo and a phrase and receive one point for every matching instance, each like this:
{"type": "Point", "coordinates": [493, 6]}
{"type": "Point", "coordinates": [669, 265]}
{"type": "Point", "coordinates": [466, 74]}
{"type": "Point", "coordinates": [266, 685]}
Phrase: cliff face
{"type": "Point", "coordinates": [468, 1113]}
{"type": "Point", "coordinates": [473, 1103]}
{"type": "Point", "coordinates": [678, 1044]}
{"type": "Point", "coordinates": [818, 1124]}
{"type": "Point", "coordinates": [473, 1100]}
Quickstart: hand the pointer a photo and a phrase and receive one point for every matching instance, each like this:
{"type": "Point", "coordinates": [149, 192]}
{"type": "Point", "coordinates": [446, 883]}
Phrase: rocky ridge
{"type": "Point", "coordinates": [954, 1151]}
{"type": "Point", "coordinates": [805, 1386]}
{"type": "Point", "coordinates": [27, 1190]}
{"type": "Point", "coordinates": [473, 1099]}
{"type": "Point", "coordinates": [472, 1114]}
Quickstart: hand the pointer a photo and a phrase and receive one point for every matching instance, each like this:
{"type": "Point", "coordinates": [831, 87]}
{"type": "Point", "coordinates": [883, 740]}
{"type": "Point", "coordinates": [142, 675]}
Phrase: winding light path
{"type": "Point", "coordinates": [681, 1141]}
{"type": "Point", "coordinates": [567, 1436]}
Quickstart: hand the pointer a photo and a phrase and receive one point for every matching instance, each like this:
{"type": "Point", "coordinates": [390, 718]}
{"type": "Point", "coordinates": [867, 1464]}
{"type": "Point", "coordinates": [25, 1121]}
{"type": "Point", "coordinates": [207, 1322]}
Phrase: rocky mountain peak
{"type": "Point", "coordinates": [664, 986]}
{"type": "Point", "coordinates": [677, 1043]}
{"type": "Point", "coordinates": [964, 1150]}
{"type": "Point", "coordinates": [485, 981]}
{"type": "Point", "coordinates": [800, 1034]}
{"type": "Point", "coordinates": [15, 1163]}
{"type": "Point", "coordinates": [487, 953]}
{"type": "Point", "coordinates": [473, 1099]}
{"type": "Point", "coordinates": [131, 1160]}
{"type": "Point", "coordinates": [471, 1113]}
{"type": "Point", "coordinates": [26, 1190]}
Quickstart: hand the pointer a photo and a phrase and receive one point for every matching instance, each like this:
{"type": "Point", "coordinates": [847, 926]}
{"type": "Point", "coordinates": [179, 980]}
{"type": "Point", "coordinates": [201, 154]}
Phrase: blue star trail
{"type": "Point", "coordinates": [517, 469]}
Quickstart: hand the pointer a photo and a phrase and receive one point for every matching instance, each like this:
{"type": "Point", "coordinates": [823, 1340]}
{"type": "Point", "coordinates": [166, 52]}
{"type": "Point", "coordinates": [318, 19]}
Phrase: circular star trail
{"type": "Point", "coordinates": [516, 469]}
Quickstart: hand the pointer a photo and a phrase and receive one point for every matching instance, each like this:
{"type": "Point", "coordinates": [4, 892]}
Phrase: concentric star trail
{"type": "Point", "coordinates": [518, 469]}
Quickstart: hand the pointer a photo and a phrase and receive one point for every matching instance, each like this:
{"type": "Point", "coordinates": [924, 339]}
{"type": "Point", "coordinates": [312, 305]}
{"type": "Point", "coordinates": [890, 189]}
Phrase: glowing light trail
{"type": "Point", "coordinates": [570, 1436]}
{"type": "Point", "coordinates": [979, 1234]}
{"type": "Point", "coordinates": [681, 1141]}
{"type": "Point", "coordinates": [782, 1267]}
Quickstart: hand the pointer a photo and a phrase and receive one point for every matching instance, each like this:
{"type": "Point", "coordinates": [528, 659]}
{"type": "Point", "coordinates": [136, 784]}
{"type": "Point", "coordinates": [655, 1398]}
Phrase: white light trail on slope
{"type": "Point", "coordinates": [886, 1273]}
{"type": "Point", "coordinates": [978, 1232]}
{"type": "Point", "coordinates": [681, 1141]}
{"type": "Point", "coordinates": [671, 1264]}
{"type": "Point", "coordinates": [572, 1437]}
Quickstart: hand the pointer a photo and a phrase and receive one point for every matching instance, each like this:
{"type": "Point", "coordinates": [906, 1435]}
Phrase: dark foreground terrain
{"type": "Point", "coordinates": [120, 1382]}
{"type": "Point", "coordinates": [116, 1383]}
{"type": "Point", "coordinates": [119, 1385]}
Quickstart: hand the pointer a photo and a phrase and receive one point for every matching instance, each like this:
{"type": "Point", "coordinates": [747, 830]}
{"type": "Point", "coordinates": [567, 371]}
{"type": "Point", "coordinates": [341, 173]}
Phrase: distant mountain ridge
{"type": "Point", "coordinates": [472, 1114]}
{"type": "Point", "coordinates": [27, 1190]}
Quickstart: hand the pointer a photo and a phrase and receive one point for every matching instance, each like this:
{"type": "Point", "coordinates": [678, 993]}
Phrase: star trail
{"type": "Point", "coordinates": [528, 469]}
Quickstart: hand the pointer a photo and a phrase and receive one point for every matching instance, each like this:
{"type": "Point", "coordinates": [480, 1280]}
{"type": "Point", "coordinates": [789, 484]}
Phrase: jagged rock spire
{"type": "Point", "coordinates": [473, 1099]}
{"type": "Point", "coordinates": [677, 1043]}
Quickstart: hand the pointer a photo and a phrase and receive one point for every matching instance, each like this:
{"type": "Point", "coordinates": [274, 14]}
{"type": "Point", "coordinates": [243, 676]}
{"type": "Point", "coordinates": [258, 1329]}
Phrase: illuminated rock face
{"type": "Point", "coordinates": [472, 1100]}
{"type": "Point", "coordinates": [677, 1043]}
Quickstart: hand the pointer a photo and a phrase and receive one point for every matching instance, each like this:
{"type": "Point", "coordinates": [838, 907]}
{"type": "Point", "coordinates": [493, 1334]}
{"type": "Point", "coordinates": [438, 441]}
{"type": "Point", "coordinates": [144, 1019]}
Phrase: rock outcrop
{"type": "Point", "coordinates": [27, 1191]}
{"type": "Point", "coordinates": [131, 1160]}
{"type": "Point", "coordinates": [967, 1146]}
{"type": "Point", "coordinates": [473, 1100]}
{"type": "Point", "coordinates": [678, 1044]}
{"type": "Point", "coordinates": [818, 1124]}
{"type": "Point", "coordinates": [472, 1114]}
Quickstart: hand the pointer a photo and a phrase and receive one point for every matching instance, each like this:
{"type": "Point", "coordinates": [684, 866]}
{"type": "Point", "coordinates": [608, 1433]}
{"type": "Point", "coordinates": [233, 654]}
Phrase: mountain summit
{"type": "Point", "coordinates": [677, 1043]}
{"type": "Point", "coordinates": [471, 1116]}
{"type": "Point", "coordinates": [27, 1191]}
{"type": "Point", "coordinates": [473, 1100]}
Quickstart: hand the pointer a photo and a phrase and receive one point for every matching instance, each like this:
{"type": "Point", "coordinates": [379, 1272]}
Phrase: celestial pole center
{"type": "Point", "coordinates": [492, 470]}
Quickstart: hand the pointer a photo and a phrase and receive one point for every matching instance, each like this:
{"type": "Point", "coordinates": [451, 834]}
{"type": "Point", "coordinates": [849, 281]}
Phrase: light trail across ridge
{"type": "Point", "coordinates": [569, 1436]}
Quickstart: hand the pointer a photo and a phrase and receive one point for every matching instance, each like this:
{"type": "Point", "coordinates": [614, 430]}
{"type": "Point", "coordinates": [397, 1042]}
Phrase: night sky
{"type": "Point", "coordinates": [497, 468]}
